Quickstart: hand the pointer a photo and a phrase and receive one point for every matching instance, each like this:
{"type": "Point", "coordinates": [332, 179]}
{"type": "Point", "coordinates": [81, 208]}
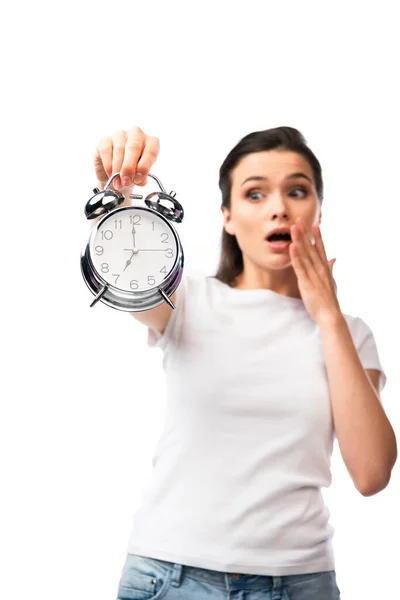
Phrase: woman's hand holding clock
{"type": "Point", "coordinates": [131, 153]}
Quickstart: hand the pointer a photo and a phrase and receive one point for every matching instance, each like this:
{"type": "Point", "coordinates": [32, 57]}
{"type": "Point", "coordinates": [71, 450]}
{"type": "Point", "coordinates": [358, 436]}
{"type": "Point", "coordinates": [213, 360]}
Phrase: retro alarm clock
{"type": "Point", "coordinates": [133, 259]}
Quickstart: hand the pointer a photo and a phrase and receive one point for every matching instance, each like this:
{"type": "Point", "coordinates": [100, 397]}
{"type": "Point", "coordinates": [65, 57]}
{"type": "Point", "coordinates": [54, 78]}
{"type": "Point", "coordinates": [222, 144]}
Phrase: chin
{"type": "Point", "coordinates": [278, 265]}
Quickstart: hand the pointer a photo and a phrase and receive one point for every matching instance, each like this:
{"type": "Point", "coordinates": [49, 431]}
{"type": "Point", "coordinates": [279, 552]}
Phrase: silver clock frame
{"type": "Point", "coordinates": [131, 301]}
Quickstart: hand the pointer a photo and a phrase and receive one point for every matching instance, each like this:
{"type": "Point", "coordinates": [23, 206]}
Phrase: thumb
{"type": "Point", "coordinates": [331, 263]}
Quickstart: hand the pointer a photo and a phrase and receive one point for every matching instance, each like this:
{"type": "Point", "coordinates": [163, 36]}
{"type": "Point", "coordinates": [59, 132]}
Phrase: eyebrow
{"type": "Point", "coordinates": [291, 176]}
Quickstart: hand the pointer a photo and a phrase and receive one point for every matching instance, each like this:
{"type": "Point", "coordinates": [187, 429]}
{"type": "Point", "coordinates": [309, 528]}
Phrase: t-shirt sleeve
{"type": "Point", "coordinates": [175, 321]}
{"type": "Point", "coordinates": [368, 351]}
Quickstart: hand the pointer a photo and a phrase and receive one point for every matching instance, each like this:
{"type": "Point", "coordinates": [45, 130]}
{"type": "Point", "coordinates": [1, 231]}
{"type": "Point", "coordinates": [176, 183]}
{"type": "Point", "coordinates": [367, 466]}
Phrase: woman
{"type": "Point", "coordinates": [263, 371]}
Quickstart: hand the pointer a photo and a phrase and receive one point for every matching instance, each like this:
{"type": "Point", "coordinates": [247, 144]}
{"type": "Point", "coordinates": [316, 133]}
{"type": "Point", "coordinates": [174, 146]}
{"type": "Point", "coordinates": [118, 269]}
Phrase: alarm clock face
{"type": "Point", "coordinates": [134, 249]}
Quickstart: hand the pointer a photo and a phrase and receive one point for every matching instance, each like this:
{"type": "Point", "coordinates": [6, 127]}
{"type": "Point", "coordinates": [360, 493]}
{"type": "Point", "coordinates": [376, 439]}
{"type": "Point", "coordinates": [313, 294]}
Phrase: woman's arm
{"type": "Point", "coordinates": [366, 438]}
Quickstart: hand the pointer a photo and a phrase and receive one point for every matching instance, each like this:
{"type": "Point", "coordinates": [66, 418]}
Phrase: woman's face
{"type": "Point", "coordinates": [275, 200]}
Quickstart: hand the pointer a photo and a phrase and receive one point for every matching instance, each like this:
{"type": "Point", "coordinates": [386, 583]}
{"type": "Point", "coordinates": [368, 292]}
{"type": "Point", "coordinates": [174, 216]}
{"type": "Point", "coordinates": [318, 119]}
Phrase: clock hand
{"type": "Point", "coordinates": [128, 262]}
{"type": "Point", "coordinates": [134, 233]}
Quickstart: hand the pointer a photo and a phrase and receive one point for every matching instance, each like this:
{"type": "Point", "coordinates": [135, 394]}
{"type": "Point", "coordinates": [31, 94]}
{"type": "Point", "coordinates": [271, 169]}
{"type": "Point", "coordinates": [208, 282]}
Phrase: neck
{"type": "Point", "coordinates": [284, 283]}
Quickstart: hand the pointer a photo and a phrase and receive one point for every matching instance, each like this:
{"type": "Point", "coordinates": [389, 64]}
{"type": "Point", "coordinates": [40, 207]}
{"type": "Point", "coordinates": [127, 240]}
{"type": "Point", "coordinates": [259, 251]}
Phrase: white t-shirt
{"type": "Point", "coordinates": [237, 474]}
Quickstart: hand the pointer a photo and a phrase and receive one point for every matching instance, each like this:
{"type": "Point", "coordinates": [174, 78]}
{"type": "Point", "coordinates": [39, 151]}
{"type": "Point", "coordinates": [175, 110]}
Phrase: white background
{"type": "Point", "coordinates": [83, 398]}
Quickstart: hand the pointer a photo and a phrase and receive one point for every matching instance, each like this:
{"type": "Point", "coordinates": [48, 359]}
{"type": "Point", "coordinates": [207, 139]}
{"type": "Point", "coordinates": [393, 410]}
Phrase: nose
{"type": "Point", "coordinates": [277, 208]}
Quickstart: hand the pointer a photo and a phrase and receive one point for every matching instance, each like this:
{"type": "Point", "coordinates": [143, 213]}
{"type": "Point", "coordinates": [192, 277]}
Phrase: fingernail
{"type": "Point", "coordinates": [138, 178]}
{"type": "Point", "coordinates": [126, 181]}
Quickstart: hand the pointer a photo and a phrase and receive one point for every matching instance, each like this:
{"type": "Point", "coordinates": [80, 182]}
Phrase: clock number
{"type": "Point", "coordinates": [151, 282]}
{"type": "Point", "coordinates": [107, 235]}
{"type": "Point", "coordinates": [164, 270]}
{"type": "Point", "coordinates": [116, 223]}
{"type": "Point", "coordinates": [105, 267]}
{"type": "Point", "coordinates": [169, 255]}
{"type": "Point", "coordinates": [152, 224]}
{"type": "Point", "coordinates": [99, 250]}
{"type": "Point", "coordinates": [134, 219]}
{"type": "Point", "coordinates": [164, 241]}
{"type": "Point", "coordinates": [135, 283]}
{"type": "Point", "coordinates": [115, 275]}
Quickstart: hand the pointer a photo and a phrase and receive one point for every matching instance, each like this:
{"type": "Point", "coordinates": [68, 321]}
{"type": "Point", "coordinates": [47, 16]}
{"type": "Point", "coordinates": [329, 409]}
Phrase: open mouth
{"type": "Point", "coordinates": [279, 237]}
{"type": "Point", "coordinates": [279, 241]}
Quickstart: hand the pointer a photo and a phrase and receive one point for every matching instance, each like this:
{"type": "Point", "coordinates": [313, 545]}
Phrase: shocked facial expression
{"type": "Point", "coordinates": [270, 189]}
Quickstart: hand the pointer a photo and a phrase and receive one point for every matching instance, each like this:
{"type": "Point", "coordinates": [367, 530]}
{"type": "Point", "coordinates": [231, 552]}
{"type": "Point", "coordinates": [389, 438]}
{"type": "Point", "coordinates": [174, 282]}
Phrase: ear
{"type": "Point", "coordinates": [227, 220]}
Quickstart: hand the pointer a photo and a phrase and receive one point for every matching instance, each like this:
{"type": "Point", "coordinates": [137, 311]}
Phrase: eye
{"type": "Point", "coordinates": [251, 193]}
{"type": "Point", "coordinates": [301, 188]}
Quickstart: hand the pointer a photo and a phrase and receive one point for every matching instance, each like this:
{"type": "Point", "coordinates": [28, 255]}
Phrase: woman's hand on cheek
{"type": "Point", "coordinates": [314, 274]}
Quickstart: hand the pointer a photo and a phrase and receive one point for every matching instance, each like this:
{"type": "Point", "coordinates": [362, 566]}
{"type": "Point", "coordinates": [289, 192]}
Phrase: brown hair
{"type": "Point", "coordinates": [279, 138]}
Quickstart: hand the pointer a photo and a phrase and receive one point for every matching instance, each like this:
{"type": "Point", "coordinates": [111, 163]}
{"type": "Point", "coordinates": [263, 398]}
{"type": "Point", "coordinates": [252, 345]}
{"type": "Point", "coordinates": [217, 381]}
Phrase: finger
{"type": "Point", "coordinates": [296, 249]}
{"type": "Point", "coordinates": [312, 252]}
{"type": "Point", "coordinates": [301, 248]}
{"type": "Point", "coordinates": [103, 158]}
{"type": "Point", "coordinates": [297, 262]}
{"type": "Point", "coordinates": [119, 141]}
{"type": "Point", "coordinates": [318, 241]}
{"type": "Point", "coordinates": [305, 238]}
{"type": "Point", "coordinates": [148, 158]}
{"type": "Point", "coordinates": [135, 143]}
{"type": "Point", "coordinates": [311, 260]}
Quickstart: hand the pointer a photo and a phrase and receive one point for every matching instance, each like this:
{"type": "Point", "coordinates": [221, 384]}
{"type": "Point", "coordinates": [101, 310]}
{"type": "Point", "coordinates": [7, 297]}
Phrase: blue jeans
{"type": "Point", "coordinates": [145, 578]}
